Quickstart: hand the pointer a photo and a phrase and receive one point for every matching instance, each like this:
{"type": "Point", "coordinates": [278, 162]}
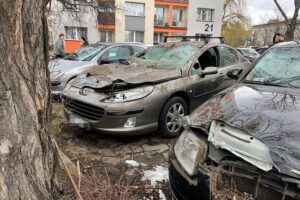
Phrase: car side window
{"type": "Point", "coordinates": [196, 69]}
{"type": "Point", "coordinates": [229, 55]}
{"type": "Point", "coordinates": [208, 59]}
{"type": "Point", "coordinates": [137, 50]}
{"type": "Point", "coordinates": [116, 53]}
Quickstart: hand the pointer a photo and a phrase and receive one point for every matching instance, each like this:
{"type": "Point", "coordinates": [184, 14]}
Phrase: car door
{"type": "Point", "coordinates": [229, 60]}
{"type": "Point", "coordinates": [205, 87]}
{"type": "Point", "coordinates": [117, 54]}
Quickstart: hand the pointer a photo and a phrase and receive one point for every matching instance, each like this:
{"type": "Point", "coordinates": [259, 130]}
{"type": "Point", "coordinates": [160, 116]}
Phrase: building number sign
{"type": "Point", "coordinates": [209, 28]}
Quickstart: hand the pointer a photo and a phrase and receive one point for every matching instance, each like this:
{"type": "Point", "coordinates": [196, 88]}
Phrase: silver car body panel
{"type": "Point", "coordinates": [240, 144]}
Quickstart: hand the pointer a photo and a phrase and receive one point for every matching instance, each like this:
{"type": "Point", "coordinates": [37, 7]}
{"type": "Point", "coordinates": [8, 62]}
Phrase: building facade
{"type": "Point", "coordinates": [263, 33]}
{"type": "Point", "coordinates": [144, 21]}
{"type": "Point", "coordinates": [72, 24]}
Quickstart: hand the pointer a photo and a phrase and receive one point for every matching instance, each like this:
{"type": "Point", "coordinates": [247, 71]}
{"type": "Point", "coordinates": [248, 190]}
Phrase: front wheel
{"type": "Point", "coordinates": [171, 112]}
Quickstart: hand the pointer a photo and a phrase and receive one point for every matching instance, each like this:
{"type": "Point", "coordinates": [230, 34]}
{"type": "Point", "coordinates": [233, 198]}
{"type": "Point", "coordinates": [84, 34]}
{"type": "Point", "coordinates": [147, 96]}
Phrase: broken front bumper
{"type": "Point", "coordinates": [237, 176]}
{"type": "Point", "coordinates": [111, 120]}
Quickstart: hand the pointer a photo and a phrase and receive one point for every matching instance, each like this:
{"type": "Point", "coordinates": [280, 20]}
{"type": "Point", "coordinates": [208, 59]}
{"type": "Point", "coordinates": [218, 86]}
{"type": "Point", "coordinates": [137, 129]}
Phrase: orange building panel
{"type": "Point", "coordinates": [106, 26]}
{"type": "Point", "coordinates": [71, 45]}
{"type": "Point", "coordinates": [167, 3]}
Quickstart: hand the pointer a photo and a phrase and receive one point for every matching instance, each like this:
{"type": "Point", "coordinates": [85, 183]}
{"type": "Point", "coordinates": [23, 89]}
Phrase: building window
{"type": "Point", "coordinates": [159, 16]}
{"type": "Point", "coordinates": [177, 17]}
{"type": "Point", "coordinates": [108, 9]}
{"type": "Point", "coordinates": [134, 36]}
{"type": "Point", "coordinates": [135, 9]}
{"type": "Point", "coordinates": [74, 33]}
{"type": "Point", "coordinates": [204, 14]}
{"type": "Point", "coordinates": [159, 37]}
{"type": "Point", "coordinates": [106, 36]}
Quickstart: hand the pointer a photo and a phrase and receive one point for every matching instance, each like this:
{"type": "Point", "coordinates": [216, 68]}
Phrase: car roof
{"type": "Point", "coordinates": [122, 43]}
{"type": "Point", "coordinates": [198, 44]}
{"type": "Point", "coordinates": [287, 44]}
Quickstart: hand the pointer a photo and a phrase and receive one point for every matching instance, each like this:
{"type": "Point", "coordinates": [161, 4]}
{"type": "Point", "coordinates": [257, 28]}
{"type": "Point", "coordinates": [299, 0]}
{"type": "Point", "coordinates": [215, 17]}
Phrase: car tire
{"type": "Point", "coordinates": [173, 109]}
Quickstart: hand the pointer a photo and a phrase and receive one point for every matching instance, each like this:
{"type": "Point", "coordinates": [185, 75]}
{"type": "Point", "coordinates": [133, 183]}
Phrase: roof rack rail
{"type": "Point", "coordinates": [197, 37]}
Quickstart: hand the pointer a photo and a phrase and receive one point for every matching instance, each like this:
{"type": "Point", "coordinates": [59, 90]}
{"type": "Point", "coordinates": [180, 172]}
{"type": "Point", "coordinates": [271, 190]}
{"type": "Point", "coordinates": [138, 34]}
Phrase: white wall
{"type": "Point", "coordinates": [195, 26]}
{"type": "Point", "coordinates": [59, 18]}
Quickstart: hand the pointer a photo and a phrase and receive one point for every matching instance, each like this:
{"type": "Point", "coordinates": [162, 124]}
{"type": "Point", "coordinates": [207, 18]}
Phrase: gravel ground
{"type": "Point", "coordinates": [112, 167]}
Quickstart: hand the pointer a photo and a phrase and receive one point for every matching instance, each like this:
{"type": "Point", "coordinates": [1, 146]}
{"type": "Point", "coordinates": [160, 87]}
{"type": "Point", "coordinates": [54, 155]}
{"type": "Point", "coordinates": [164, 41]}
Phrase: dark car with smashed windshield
{"type": "Point", "coordinates": [152, 91]}
{"type": "Point", "coordinates": [90, 56]}
{"type": "Point", "coordinates": [245, 140]}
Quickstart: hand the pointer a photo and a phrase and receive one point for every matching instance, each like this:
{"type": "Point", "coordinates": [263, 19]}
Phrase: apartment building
{"type": "Point", "coordinates": [145, 21]}
{"type": "Point", "coordinates": [127, 21]}
{"type": "Point", "coordinates": [72, 24]}
{"type": "Point", "coordinates": [187, 17]}
{"type": "Point", "coordinates": [263, 33]}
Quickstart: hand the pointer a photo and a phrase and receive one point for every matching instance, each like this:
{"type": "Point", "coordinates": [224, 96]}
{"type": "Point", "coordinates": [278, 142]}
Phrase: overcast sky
{"type": "Point", "coordinates": [263, 10]}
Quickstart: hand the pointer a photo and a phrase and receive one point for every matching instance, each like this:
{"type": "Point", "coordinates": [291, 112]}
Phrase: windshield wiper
{"type": "Point", "coordinates": [287, 82]}
{"type": "Point", "coordinates": [264, 83]}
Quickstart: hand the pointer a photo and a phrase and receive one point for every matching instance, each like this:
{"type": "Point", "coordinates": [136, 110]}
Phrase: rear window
{"type": "Point", "coordinates": [137, 50]}
{"type": "Point", "coordinates": [229, 55]}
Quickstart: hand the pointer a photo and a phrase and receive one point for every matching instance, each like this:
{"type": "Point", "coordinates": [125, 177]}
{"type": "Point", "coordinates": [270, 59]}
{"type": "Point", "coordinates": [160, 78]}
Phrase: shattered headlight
{"type": "Point", "coordinates": [129, 95]}
{"type": "Point", "coordinates": [190, 151]}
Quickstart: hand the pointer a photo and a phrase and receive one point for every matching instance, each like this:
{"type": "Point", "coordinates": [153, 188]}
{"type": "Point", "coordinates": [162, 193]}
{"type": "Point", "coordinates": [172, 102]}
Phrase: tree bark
{"type": "Point", "coordinates": [27, 153]}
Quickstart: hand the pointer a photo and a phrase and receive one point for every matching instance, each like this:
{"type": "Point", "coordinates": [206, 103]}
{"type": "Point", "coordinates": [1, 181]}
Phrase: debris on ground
{"type": "Point", "coordinates": [159, 174]}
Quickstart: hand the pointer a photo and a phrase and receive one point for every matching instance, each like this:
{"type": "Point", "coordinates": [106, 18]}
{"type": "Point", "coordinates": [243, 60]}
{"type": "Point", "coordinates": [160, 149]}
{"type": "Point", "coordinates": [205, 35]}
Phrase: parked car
{"type": "Point", "coordinates": [249, 53]}
{"type": "Point", "coordinates": [88, 57]}
{"type": "Point", "coordinates": [261, 50]}
{"type": "Point", "coordinates": [158, 86]}
{"type": "Point", "coordinates": [245, 139]}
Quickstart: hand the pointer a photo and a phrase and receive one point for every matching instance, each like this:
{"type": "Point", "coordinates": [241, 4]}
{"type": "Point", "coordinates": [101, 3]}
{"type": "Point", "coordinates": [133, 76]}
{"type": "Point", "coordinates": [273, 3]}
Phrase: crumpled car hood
{"type": "Point", "coordinates": [106, 75]}
{"type": "Point", "coordinates": [60, 67]}
{"type": "Point", "coordinates": [270, 114]}
{"type": "Point", "coordinates": [64, 65]}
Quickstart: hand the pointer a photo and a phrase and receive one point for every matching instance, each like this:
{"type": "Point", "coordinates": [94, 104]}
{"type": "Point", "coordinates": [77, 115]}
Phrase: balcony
{"type": "Point", "coordinates": [164, 23]}
{"type": "Point", "coordinates": [161, 23]}
{"type": "Point", "coordinates": [179, 24]}
{"type": "Point", "coordinates": [106, 18]}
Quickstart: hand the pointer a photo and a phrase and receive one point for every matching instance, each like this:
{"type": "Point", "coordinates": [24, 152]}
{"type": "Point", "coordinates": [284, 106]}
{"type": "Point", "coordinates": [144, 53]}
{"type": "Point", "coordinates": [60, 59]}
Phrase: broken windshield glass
{"type": "Point", "coordinates": [279, 66]}
{"type": "Point", "coordinates": [85, 53]}
{"type": "Point", "coordinates": [166, 57]}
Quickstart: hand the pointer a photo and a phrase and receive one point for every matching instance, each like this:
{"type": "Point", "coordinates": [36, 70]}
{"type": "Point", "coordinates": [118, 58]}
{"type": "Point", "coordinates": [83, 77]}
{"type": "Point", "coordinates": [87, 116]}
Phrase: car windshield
{"type": "Point", "coordinates": [85, 53]}
{"type": "Point", "coordinates": [279, 66]}
{"type": "Point", "coordinates": [249, 52]}
{"type": "Point", "coordinates": [165, 57]}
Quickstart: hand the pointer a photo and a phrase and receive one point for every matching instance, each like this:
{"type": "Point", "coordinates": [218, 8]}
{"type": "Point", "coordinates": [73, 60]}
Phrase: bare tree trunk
{"type": "Point", "coordinates": [27, 158]}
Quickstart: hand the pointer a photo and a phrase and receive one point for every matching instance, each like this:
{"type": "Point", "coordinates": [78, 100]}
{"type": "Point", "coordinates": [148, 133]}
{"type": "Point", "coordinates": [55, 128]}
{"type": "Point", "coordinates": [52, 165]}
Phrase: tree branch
{"type": "Point", "coordinates": [281, 11]}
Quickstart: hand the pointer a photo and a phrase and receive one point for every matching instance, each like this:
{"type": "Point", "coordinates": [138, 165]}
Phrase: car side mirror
{"type": "Point", "coordinates": [209, 70]}
{"type": "Point", "coordinates": [234, 73]}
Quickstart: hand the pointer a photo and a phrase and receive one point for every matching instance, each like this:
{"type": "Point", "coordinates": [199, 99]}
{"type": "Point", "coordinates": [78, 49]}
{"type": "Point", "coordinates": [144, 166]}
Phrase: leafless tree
{"type": "Point", "coordinates": [290, 23]}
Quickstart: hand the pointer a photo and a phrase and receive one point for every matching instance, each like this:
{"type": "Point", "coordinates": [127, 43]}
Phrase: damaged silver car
{"type": "Point", "coordinates": [64, 69]}
{"type": "Point", "coordinates": [156, 88]}
{"type": "Point", "coordinates": [245, 139]}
